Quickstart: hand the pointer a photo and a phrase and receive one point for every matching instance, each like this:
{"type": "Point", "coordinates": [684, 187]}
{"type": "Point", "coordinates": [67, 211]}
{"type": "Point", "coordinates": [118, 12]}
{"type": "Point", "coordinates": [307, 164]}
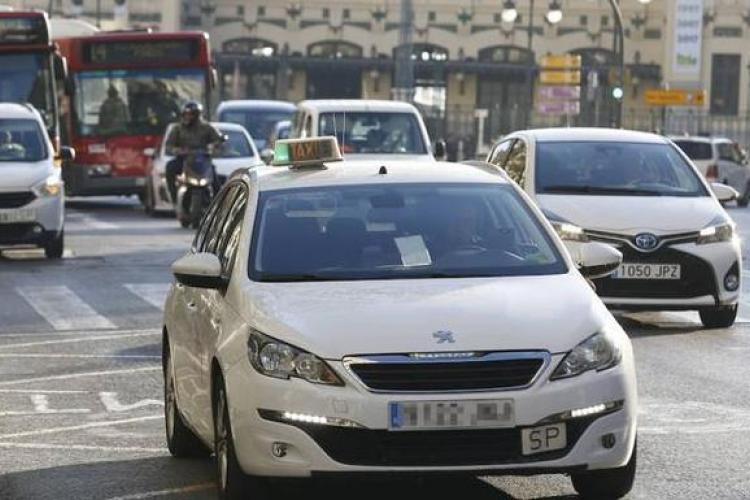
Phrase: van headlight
{"type": "Point", "coordinates": [598, 352]}
{"type": "Point", "coordinates": [51, 186]}
{"type": "Point", "coordinates": [277, 359]}
{"type": "Point", "coordinates": [716, 233]}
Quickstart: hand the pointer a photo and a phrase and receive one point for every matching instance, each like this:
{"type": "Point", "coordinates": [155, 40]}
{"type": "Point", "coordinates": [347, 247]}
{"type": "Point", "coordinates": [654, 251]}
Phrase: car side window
{"type": "Point", "coordinates": [515, 165]}
{"type": "Point", "coordinates": [308, 127]}
{"type": "Point", "coordinates": [729, 152]}
{"type": "Point", "coordinates": [500, 154]}
{"type": "Point", "coordinates": [231, 232]}
{"type": "Point", "coordinates": [205, 225]}
{"type": "Point", "coordinates": [214, 234]}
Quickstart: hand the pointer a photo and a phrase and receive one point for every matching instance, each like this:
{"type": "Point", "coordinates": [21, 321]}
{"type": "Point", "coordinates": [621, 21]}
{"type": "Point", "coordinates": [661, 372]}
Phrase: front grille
{"type": "Point", "coordinates": [479, 447]}
{"type": "Point", "coordinates": [483, 372]}
{"type": "Point", "coordinates": [697, 277]}
{"type": "Point", "coordinates": [16, 199]}
{"type": "Point", "coordinates": [16, 233]}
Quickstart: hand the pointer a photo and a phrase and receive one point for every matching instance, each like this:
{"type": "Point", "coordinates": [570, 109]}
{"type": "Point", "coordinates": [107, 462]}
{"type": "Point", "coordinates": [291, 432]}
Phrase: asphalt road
{"type": "Point", "coordinates": [81, 390]}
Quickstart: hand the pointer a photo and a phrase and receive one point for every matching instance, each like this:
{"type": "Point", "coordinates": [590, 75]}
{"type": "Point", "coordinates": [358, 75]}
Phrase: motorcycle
{"type": "Point", "coordinates": [196, 187]}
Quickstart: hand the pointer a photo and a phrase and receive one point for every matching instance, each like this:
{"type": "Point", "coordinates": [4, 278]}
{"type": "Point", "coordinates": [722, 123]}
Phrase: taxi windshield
{"type": "Point", "coordinates": [614, 169]}
{"type": "Point", "coordinates": [398, 231]}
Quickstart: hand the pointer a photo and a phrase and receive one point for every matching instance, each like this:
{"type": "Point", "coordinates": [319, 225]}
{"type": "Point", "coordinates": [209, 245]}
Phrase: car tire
{"type": "Point", "coordinates": [148, 194]}
{"type": "Point", "coordinates": [231, 480]}
{"type": "Point", "coordinates": [607, 484]}
{"type": "Point", "coordinates": [181, 441]}
{"type": "Point", "coordinates": [54, 248]}
{"type": "Point", "coordinates": [719, 317]}
{"type": "Point", "coordinates": [744, 199]}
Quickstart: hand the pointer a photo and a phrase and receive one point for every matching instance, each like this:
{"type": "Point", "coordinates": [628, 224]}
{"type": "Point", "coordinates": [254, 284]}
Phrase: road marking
{"type": "Point", "coordinates": [91, 425]}
{"type": "Point", "coordinates": [63, 309]}
{"type": "Point", "coordinates": [78, 375]}
{"type": "Point", "coordinates": [110, 402]}
{"type": "Point", "coordinates": [77, 356]}
{"type": "Point", "coordinates": [161, 493]}
{"type": "Point", "coordinates": [91, 222]}
{"type": "Point", "coordinates": [49, 446]}
{"type": "Point", "coordinates": [40, 391]}
{"type": "Point", "coordinates": [153, 293]}
{"type": "Point", "coordinates": [80, 339]}
{"type": "Point", "coordinates": [75, 332]}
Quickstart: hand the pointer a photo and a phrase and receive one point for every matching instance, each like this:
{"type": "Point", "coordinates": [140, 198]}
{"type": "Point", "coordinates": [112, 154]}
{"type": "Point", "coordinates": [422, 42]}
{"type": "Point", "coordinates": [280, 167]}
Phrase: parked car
{"type": "Point", "coordinates": [368, 129]}
{"type": "Point", "coordinates": [257, 116]}
{"type": "Point", "coordinates": [719, 160]}
{"type": "Point", "coordinates": [639, 193]}
{"type": "Point", "coordinates": [32, 195]}
{"type": "Point", "coordinates": [239, 151]}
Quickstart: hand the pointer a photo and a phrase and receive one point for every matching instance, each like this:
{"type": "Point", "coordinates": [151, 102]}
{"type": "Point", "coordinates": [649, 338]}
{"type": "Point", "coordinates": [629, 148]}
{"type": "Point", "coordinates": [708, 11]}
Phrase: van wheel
{"type": "Point", "coordinates": [233, 483]}
{"type": "Point", "coordinates": [181, 441]}
{"type": "Point", "coordinates": [55, 248]}
{"type": "Point", "coordinates": [719, 317]}
{"type": "Point", "coordinates": [606, 484]}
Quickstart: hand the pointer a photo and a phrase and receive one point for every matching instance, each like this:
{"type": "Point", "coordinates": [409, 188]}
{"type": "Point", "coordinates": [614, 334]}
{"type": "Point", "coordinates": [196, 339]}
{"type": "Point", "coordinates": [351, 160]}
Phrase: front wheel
{"type": "Point", "coordinates": [54, 248]}
{"type": "Point", "coordinates": [181, 441]}
{"type": "Point", "coordinates": [744, 198]}
{"type": "Point", "coordinates": [719, 317]}
{"type": "Point", "coordinates": [606, 484]}
{"type": "Point", "coordinates": [196, 208]}
{"type": "Point", "coordinates": [149, 205]}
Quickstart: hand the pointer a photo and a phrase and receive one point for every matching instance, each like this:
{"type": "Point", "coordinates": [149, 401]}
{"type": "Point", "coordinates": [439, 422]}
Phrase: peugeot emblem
{"type": "Point", "coordinates": [444, 337]}
{"type": "Point", "coordinates": [646, 241]}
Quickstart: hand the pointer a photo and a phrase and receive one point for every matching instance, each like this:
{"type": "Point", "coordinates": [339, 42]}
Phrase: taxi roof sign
{"type": "Point", "coordinates": [308, 152]}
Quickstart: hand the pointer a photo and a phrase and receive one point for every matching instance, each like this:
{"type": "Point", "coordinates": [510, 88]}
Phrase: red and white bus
{"type": "Point", "coordinates": [124, 88]}
{"type": "Point", "coordinates": [30, 66]}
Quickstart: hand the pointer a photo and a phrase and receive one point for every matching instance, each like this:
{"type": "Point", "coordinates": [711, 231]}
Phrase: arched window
{"type": "Point", "coordinates": [423, 52]}
{"type": "Point", "coordinates": [508, 54]}
{"type": "Point", "coordinates": [253, 46]}
{"type": "Point", "coordinates": [334, 49]}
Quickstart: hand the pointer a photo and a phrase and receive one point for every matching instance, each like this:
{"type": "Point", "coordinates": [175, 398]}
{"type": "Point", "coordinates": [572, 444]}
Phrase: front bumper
{"type": "Point", "coordinates": [312, 449]}
{"type": "Point", "coordinates": [47, 223]}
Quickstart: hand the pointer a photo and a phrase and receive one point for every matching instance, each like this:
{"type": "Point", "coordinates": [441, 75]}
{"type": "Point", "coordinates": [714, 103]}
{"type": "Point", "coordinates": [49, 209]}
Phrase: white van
{"type": "Point", "coordinates": [367, 129]}
{"type": "Point", "coordinates": [32, 199]}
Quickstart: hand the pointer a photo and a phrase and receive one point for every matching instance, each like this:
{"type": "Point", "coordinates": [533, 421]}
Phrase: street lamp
{"type": "Point", "coordinates": [509, 14]}
{"type": "Point", "coordinates": [554, 14]}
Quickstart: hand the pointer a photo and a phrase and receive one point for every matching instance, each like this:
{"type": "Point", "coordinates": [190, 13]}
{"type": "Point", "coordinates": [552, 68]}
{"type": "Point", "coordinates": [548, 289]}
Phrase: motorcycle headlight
{"type": "Point", "coordinates": [716, 233]}
{"type": "Point", "coordinates": [569, 232]}
{"type": "Point", "coordinates": [51, 186]}
{"type": "Point", "coordinates": [598, 352]}
{"type": "Point", "coordinates": [277, 359]}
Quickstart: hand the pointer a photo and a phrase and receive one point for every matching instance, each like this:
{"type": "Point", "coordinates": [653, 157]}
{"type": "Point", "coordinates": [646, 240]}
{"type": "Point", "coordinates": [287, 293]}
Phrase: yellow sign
{"type": "Point", "coordinates": [560, 77]}
{"type": "Point", "coordinates": [561, 61]}
{"type": "Point", "coordinates": [676, 97]}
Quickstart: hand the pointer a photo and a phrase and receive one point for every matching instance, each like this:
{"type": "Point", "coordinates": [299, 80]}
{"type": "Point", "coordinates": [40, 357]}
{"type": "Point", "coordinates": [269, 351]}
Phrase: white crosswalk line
{"type": "Point", "coordinates": [153, 293]}
{"type": "Point", "coordinates": [63, 309]}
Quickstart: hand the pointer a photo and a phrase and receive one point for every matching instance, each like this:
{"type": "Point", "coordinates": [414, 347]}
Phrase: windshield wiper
{"type": "Point", "coordinates": [601, 190]}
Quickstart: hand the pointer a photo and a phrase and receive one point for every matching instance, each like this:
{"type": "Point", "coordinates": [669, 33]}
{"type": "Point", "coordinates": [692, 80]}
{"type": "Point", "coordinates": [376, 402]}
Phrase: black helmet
{"type": "Point", "coordinates": [193, 107]}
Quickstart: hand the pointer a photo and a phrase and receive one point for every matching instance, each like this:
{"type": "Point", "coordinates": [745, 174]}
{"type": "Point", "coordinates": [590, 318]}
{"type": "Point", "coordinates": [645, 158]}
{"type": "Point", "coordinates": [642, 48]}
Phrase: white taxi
{"type": "Point", "coordinates": [354, 317]}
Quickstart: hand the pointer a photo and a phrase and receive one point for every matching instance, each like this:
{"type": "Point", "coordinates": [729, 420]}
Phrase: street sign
{"type": "Point", "coordinates": [558, 107]}
{"type": "Point", "coordinates": [559, 93]}
{"type": "Point", "coordinates": [572, 77]}
{"type": "Point", "coordinates": [675, 97]}
{"type": "Point", "coordinates": [561, 61]}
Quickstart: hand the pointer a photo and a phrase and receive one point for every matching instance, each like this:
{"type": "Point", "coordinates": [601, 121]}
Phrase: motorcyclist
{"type": "Point", "coordinates": [191, 134]}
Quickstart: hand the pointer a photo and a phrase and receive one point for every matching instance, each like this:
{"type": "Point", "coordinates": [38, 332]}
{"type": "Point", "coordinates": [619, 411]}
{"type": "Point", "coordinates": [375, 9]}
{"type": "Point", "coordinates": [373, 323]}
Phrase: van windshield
{"type": "Point", "coordinates": [21, 140]}
{"type": "Point", "coordinates": [374, 133]}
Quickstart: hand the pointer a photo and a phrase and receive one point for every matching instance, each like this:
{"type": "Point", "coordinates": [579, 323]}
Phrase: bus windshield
{"type": "Point", "coordinates": [27, 78]}
{"type": "Point", "coordinates": [134, 102]}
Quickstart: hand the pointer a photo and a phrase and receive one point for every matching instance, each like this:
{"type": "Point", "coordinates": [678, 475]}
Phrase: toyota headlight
{"type": "Point", "coordinates": [51, 186]}
{"type": "Point", "coordinates": [598, 352]}
{"type": "Point", "coordinates": [716, 234]}
{"type": "Point", "coordinates": [569, 232]}
{"type": "Point", "coordinates": [277, 359]}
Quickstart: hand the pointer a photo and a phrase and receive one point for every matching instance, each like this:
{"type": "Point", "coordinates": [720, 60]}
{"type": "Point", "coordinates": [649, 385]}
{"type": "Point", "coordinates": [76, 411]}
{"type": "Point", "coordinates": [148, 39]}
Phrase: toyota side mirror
{"type": "Point", "coordinates": [441, 150]}
{"type": "Point", "coordinates": [724, 193]}
{"type": "Point", "coordinates": [597, 260]}
{"type": "Point", "coordinates": [199, 270]}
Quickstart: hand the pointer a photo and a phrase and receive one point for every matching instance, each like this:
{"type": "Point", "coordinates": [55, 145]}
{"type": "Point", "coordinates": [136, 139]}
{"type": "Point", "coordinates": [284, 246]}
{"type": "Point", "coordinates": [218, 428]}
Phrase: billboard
{"type": "Point", "coordinates": [687, 43]}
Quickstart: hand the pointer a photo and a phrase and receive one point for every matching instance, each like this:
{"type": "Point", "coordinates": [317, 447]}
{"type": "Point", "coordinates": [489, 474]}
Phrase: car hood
{"type": "Point", "coordinates": [227, 166]}
{"type": "Point", "coordinates": [387, 158]}
{"type": "Point", "coordinates": [337, 319]}
{"type": "Point", "coordinates": [657, 214]}
{"type": "Point", "coordinates": [22, 176]}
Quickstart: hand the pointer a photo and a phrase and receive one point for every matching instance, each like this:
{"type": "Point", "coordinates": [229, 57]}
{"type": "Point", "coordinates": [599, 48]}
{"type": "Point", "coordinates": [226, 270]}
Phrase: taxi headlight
{"type": "Point", "coordinates": [277, 359]}
{"type": "Point", "coordinates": [716, 234]}
{"type": "Point", "coordinates": [598, 352]}
{"type": "Point", "coordinates": [51, 186]}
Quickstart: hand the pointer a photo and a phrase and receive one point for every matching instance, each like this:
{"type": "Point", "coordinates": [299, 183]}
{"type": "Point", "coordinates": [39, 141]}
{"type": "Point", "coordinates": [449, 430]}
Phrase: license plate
{"type": "Point", "coordinates": [545, 438]}
{"type": "Point", "coordinates": [17, 215]}
{"type": "Point", "coordinates": [631, 271]}
{"type": "Point", "coordinates": [431, 415]}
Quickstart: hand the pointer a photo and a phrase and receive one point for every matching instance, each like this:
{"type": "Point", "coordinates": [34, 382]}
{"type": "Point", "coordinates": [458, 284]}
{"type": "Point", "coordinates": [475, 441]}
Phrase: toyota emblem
{"type": "Point", "coordinates": [646, 242]}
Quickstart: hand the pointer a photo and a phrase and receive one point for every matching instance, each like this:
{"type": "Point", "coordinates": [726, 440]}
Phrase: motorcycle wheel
{"type": "Point", "coordinates": [196, 208]}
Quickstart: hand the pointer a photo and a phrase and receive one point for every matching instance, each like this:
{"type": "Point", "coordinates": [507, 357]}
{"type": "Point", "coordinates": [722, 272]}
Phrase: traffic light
{"type": "Point", "coordinates": [617, 93]}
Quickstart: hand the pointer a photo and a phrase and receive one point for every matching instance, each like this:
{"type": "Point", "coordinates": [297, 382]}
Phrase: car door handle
{"type": "Point", "coordinates": [192, 307]}
{"type": "Point", "coordinates": [179, 286]}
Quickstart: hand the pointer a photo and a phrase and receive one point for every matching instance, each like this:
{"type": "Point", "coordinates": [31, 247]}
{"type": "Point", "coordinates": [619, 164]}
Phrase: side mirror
{"type": "Point", "coordinates": [441, 149]}
{"type": "Point", "coordinates": [149, 152]}
{"type": "Point", "coordinates": [597, 260]}
{"type": "Point", "coordinates": [67, 154]}
{"type": "Point", "coordinates": [724, 193]}
{"type": "Point", "coordinates": [267, 156]}
{"type": "Point", "coordinates": [60, 67]}
{"type": "Point", "coordinates": [199, 270]}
